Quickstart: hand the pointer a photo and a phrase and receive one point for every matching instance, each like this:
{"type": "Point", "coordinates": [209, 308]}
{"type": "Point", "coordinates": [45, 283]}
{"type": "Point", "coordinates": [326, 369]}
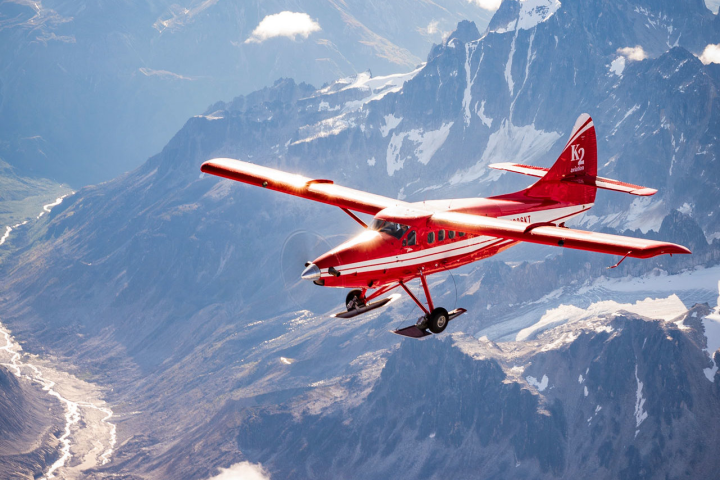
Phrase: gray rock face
{"type": "Point", "coordinates": [617, 397]}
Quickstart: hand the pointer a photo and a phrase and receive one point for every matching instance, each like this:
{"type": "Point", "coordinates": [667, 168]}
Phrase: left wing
{"type": "Point", "coordinates": [555, 236]}
{"type": "Point", "coordinates": [599, 182]}
{"type": "Point", "coordinates": [324, 191]}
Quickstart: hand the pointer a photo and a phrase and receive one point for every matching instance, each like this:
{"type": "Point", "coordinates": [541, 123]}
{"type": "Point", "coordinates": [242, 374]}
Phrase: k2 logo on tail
{"type": "Point", "coordinates": [578, 155]}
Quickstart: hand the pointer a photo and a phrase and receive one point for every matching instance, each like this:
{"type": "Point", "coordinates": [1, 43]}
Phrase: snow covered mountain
{"type": "Point", "coordinates": [166, 285]}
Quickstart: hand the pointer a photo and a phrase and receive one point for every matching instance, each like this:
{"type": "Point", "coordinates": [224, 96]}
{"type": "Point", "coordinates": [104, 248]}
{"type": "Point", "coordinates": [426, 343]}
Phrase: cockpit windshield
{"type": "Point", "coordinates": [395, 229]}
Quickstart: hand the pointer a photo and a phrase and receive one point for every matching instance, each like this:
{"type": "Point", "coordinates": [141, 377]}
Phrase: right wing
{"type": "Point", "coordinates": [324, 191]}
{"type": "Point", "coordinates": [555, 236]}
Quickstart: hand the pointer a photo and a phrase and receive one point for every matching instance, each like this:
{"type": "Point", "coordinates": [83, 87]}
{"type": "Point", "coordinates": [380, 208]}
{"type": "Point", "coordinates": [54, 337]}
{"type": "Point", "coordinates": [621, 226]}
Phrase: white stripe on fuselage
{"type": "Point", "coordinates": [458, 248]}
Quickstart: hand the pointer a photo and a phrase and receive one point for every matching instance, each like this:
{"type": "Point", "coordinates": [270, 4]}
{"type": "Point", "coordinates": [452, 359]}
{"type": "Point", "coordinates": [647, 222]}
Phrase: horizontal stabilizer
{"type": "Point", "coordinates": [600, 182]}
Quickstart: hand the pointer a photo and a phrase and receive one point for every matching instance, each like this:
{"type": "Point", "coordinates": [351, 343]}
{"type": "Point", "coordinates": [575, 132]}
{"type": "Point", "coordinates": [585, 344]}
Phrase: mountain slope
{"type": "Point", "coordinates": [614, 397]}
{"type": "Point", "coordinates": [166, 285]}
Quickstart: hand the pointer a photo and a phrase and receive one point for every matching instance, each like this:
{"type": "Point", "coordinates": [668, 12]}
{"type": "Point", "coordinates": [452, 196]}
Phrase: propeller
{"type": "Point", "coordinates": [300, 247]}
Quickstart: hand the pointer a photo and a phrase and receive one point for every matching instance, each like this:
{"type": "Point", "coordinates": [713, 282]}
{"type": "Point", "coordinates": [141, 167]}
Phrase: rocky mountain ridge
{"type": "Point", "coordinates": [165, 284]}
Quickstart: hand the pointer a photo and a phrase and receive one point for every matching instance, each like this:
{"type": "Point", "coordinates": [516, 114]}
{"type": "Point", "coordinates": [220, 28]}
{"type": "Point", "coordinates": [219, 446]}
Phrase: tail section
{"type": "Point", "coordinates": [579, 158]}
{"type": "Point", "coordinates": [565, 181]}
{"type": "Point", "coordinates": [573, 177]}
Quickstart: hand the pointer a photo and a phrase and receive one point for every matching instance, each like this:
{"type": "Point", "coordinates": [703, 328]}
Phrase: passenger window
{"type": "Point", "coordinates": [451, 234]}
{"type": "Point", "coordinates": [461, 234]}
{"type": "Point", "coordinates": [441, 235]}
{"type": "Point", "coordinates": [410, 240]}
{"type": "Point", "coordinates": [431, 237]}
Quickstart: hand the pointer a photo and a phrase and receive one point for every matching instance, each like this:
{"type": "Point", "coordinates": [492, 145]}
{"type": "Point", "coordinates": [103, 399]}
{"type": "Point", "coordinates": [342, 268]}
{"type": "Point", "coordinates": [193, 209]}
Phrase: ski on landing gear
{"type": "Point", "coordinates": [420, 329]}
{"type": "Point", "coordinates": [435, 319]}
{"type": "Point", "coordinates": [357, 304]}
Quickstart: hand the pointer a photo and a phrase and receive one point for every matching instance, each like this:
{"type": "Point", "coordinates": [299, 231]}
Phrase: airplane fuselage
{"type": "Point", "coordinates": [382, 256]}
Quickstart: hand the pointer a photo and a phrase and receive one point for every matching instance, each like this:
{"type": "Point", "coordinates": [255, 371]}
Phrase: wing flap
{"type": "Point", "coordinates": [323, 191]}
{"type": "Point", "coordinates": [554, 236]}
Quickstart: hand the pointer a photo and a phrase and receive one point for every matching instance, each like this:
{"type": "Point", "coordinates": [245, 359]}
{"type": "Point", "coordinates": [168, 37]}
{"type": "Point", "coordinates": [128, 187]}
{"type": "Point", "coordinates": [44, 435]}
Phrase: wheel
{"type": "Point", "coordinates": [354, 300]}
{"type": "Point", "coordinates": [438, 320]}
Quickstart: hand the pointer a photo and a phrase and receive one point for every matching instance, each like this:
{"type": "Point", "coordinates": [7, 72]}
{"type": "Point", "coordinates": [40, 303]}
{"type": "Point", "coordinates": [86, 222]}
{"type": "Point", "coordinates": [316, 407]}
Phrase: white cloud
{"type": "Point", "coordinates": [242, 471]}
{"type": "Point", "coordinates": [633, 53]}
{"type": "Point", "coordinates": [491, 5]}
{"type": "Point", "coordinates": [284, 24]}
{"type": "Point", "coordinates": [711, 54]}
{"type": "Point", "coordinates": [432, 27]}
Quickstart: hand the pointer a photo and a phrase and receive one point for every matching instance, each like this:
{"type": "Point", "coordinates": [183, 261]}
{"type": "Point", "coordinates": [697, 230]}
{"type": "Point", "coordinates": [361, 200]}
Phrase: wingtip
{"type": "Point", "coordinates": [644, 192]}
{"type": "Point", "coordinates": [683, 250]}
{"type": "Point", "coordinates": [205, 166]}
{"type": "Point", "coordinates": [674, 249]}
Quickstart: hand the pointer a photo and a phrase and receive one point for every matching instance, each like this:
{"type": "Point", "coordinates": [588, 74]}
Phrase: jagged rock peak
{"type": "Point", "coordinates": [465, 32]}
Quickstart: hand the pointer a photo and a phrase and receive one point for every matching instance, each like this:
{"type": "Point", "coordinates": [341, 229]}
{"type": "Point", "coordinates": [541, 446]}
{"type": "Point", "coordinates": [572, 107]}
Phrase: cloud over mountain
{"type": "Point", "coordinates": [242, 471]}
{"type": "Point", "coordinates": [711, 54]}
{"type": "Point", "coordinates": [284, 24]}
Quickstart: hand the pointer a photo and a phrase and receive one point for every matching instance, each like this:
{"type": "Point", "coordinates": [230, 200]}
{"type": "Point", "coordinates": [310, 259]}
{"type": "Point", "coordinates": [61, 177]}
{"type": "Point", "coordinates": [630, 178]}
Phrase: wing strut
{"type": "Point", "coordinates": [354, 217]}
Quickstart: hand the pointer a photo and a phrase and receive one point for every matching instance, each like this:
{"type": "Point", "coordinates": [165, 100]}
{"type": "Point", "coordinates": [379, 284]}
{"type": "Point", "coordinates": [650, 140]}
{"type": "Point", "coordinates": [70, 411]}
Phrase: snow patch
{"type": "Point", "coordinates": [509, 144]}
{"type": "Point", "coordinates": [394, 163]}
{"type": "Point", "coordinates": [487, 121]}
{"type": "Point", "coordinates": [8, 229]}
{"type": "Point", "coordinates": [532, 13]}
{"type": "Point", "coordinates": [508, 66]}
{"type": "Point", "coordinates": [632, 110]}
{"type": "Point", "coordinates": [640, 415]}
{"type": "Point", "coordinates": [585, 391]}
{"type": "Point", "coordinates": [581, 379]}
{"type": "Point", "coordinates": [659, 308]}
{"type": "Point", "coordinates": [618, 66]}
{"type": "Point", "coordinates": [541, 385]}
{"type": "Point", "coordinates": [686, 208]}
{"type": "Point", "coordinates": [325, 107]}
{"type": "Point", "coordinates": [371, 161]}
{"type": "Point", "coordinates": [711, 323]}
{"type": "Point", "coordinates": [427, 144]}
{"type": "Point", "coordinates": [467, 95]}
{"type": "Point", "coordinates": [390, 123]}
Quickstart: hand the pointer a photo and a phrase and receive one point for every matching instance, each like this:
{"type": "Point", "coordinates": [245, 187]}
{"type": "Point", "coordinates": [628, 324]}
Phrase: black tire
{"type": "Point", "coordinates": [354, 300]}
{"type": "Point", "coordinates": [438, 320]}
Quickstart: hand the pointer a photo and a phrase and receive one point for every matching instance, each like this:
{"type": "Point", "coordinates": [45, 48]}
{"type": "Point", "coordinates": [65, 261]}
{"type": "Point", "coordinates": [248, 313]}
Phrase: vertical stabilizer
{"type": "Point", "coordinates": [571, 179]}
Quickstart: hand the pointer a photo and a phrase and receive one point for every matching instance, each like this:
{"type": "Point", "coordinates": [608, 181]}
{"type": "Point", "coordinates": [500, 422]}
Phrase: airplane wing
{"type": "Point", "coordinates": [324, 191]}
{"type": "Point", "coordinates": [555, 236]}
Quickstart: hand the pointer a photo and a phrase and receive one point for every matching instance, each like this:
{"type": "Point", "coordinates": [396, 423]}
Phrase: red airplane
{"type": "Point", "coordinates": [410, 240]}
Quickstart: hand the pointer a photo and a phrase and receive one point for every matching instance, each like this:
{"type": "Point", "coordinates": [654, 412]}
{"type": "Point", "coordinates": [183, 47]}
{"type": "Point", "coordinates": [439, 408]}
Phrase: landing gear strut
{"type": "Point", "coordinates": [434, 319]}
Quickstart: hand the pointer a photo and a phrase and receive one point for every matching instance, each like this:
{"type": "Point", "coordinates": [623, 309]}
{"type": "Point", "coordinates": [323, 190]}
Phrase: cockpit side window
{"type": "Point", "coordinates": [411, 239]}
{"type": "Point", "coordinates": [397, 230]}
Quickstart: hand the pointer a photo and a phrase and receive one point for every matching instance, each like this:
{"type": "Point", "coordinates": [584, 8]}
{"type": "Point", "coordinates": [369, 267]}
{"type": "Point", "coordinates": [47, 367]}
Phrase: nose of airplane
{"type": "Point", "coordinates": [312, 272]}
